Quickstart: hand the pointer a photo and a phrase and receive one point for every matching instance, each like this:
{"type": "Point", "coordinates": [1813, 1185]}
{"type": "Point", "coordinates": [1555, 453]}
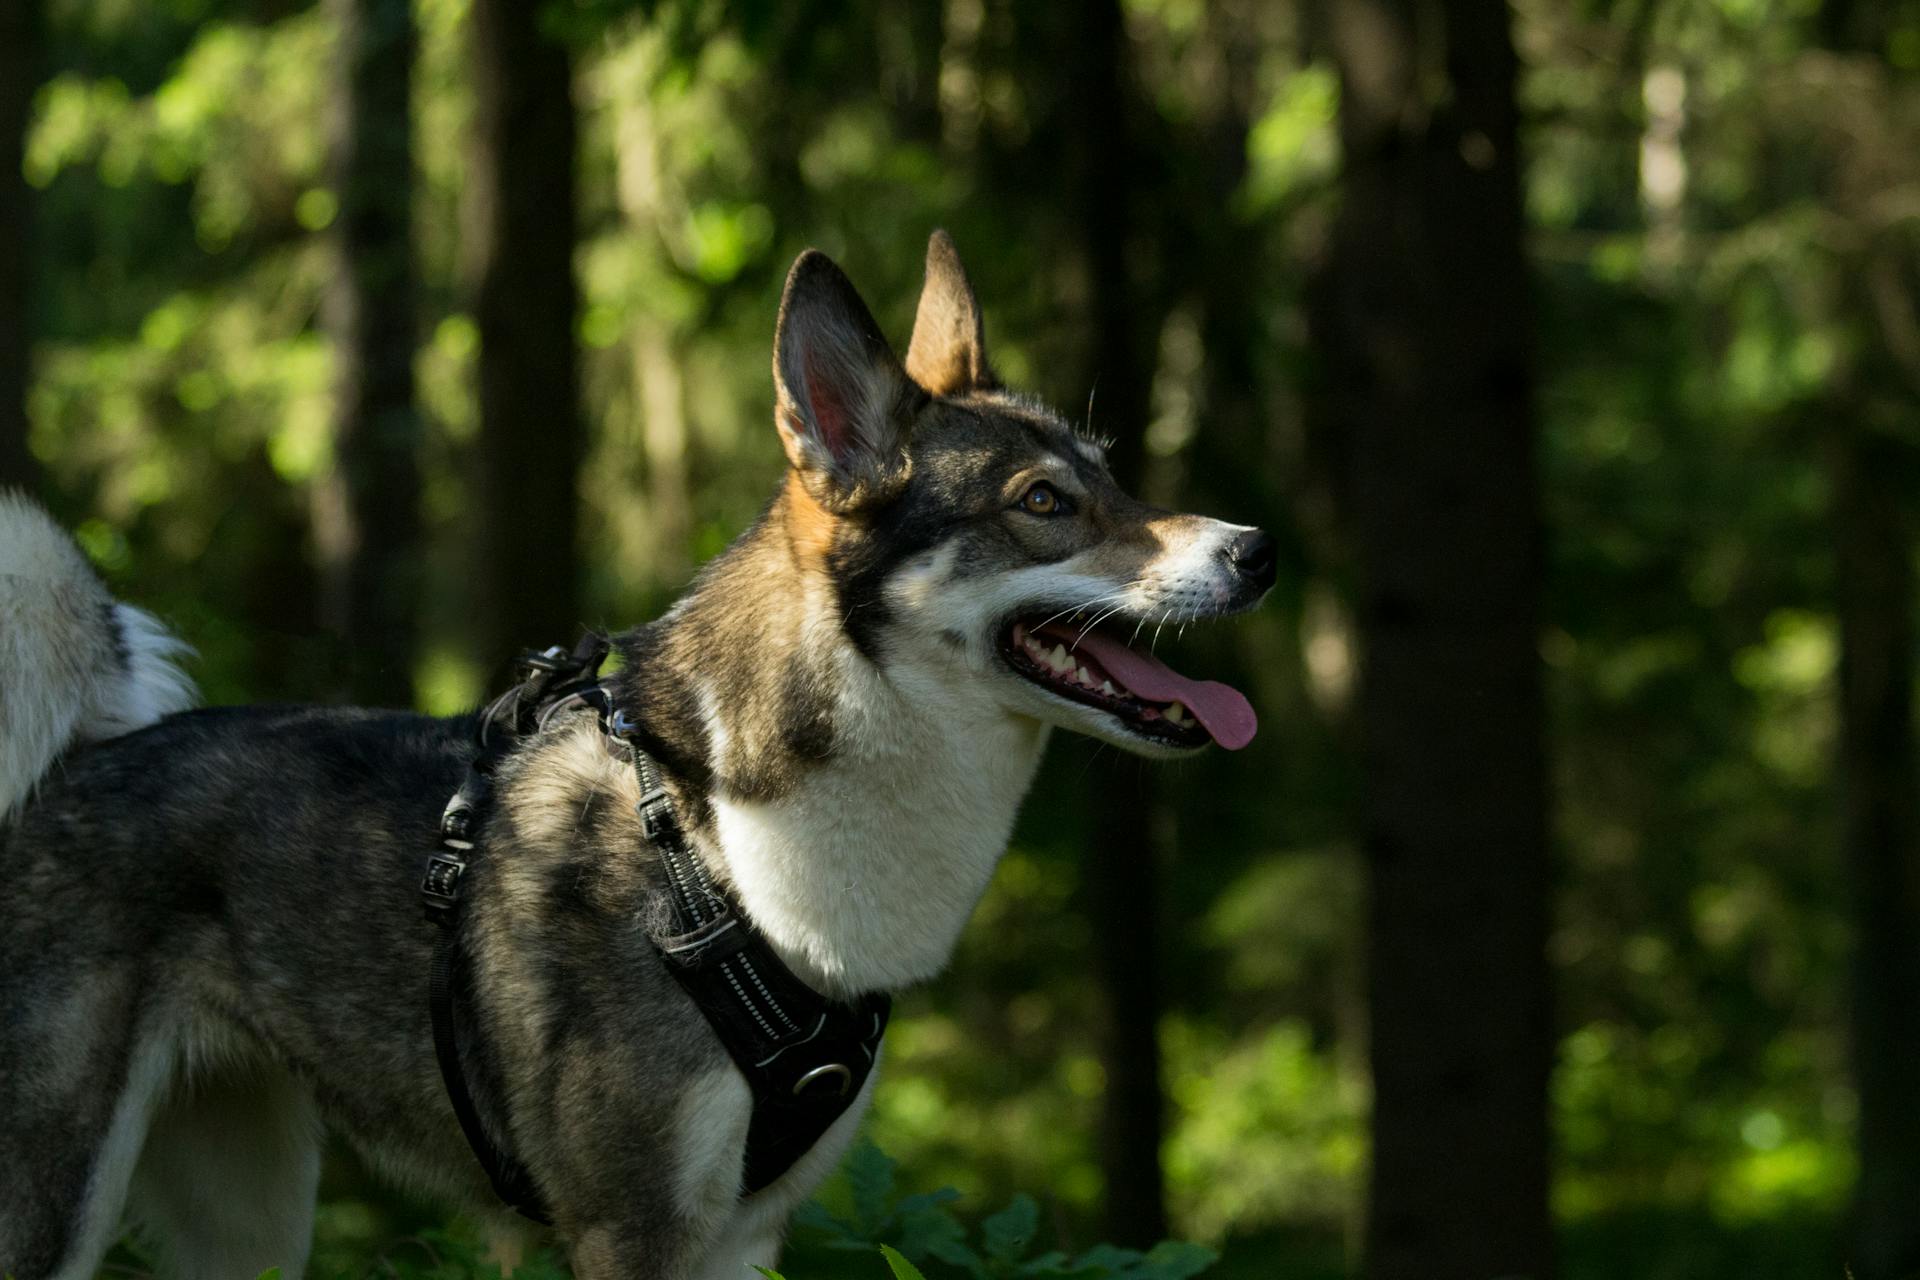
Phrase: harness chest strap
{"type": "Point", "coordinates": [805, 1057]}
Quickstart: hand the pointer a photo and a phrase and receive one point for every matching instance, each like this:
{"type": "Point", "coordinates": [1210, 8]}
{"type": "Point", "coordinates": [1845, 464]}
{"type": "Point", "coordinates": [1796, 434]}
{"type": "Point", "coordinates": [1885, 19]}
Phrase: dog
{"type": "Point", "coordinates": [213, 945]}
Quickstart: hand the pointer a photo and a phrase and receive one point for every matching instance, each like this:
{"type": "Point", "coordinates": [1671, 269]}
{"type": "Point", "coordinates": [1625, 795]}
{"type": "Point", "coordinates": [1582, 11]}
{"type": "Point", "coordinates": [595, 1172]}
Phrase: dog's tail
{"type": "Point", "coordinates": [75, 664]}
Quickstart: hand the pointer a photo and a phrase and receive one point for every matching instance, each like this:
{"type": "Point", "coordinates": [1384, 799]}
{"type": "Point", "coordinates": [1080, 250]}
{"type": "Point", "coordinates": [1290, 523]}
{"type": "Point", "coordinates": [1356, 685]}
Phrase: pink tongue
{"type": "Point", "coordinates": [1223, 709]}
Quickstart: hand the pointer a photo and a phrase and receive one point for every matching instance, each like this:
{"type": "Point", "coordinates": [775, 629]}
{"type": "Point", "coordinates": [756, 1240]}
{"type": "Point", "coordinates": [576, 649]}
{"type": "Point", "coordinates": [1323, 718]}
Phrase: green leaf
{"type": "Point", "coordinates": [870, 1180]}
{"type": "Point", "coordinates": [1177, 1260]}
{"type": "Point", "coordinates": [770, 1274]}
{"type": "Point", "coordinates": [1007, 1233]}
{"type": "Point", "coordinates": [956, 1251]}
{"type": "Point", "coordinates": [902, 1269]}
{"type": "Point", "coordinates": [928, 1230]}
{"type": "Point", "coordinates": [927, 1199]}
{"type": "Point", "coordinates": [815, 1216]}
{"type": "Point", "coordinates": [1107, 1259]}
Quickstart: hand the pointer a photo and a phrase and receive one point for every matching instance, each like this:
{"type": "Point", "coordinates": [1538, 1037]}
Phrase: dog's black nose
{"type": "Point", "coordinates": [1253, 557]}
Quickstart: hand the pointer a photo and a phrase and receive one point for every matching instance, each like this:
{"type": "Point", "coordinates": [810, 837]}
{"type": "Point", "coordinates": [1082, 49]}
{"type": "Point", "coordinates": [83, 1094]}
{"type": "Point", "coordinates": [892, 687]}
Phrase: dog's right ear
{"type": "Point", "coordinates": [948, 351]}
{"type": "Point", "coordinates": [843, 402]}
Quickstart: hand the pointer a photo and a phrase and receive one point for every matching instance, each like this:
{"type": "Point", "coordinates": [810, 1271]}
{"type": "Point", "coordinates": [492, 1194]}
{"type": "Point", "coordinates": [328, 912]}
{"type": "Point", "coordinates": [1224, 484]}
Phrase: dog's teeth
{"type": "Point", "coordinates": [1084, 676]}
{"type": "Point", "coordinates": [1176, 713]}
{"type": "Point", "coordinates": [1106, 686]}
{"type": "Point", "coordinates": [1059, 660]}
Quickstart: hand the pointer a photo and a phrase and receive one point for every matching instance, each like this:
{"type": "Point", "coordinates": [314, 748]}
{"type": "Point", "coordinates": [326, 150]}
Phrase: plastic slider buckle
{"type": "Point", "coordinates": [456, 821]}
{"type": "Point", "coordinates": [552, 658]}
{"type": "Point", "coordinates": [656, 816]}
{"type": "Point", "coordinates": [440, 888]}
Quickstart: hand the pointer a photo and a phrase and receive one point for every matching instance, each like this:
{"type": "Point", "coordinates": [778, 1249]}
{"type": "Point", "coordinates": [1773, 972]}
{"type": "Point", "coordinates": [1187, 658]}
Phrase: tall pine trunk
{"type": "Point", "coordinates": [1881, 832]}
{"type": "Point", "coordinates": [1122, 877]}
{"type": "Point", "coordinates": [19, 76]}
{"type": "Point", "coordinates": [368, 522]}
{"type": "Point", "coordinates": [1423, 318]}
{"type": "Point", "coordinates": [1870, 468]}
{"type": "Point", "coordinates": [531, 438]}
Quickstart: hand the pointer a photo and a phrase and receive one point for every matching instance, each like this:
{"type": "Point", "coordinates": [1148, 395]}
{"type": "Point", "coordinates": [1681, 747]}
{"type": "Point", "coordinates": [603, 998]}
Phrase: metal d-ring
{"type": "Point", "coordinates": [820, 1073]}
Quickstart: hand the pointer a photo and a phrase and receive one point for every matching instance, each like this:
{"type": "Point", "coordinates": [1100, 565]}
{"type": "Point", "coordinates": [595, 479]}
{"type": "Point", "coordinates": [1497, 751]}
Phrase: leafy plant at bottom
{"type": "Point", "coordinates": [911, 1229]}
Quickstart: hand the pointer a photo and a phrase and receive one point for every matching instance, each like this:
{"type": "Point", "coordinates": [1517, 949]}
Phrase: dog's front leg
{"type": "Point", "coordinates": [610, 1250]}
{"type": "Point", "coordinates": [734, 1258]}
{"type": "Point", "coordinates": [642, 1251]}
{"type": "Point", "coordinates": [631, 1251]}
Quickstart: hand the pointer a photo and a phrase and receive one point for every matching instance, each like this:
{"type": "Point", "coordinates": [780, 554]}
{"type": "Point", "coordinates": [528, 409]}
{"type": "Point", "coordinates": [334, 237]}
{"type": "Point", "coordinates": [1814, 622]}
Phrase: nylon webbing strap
{"type": "Point", "coordinates": [510, 1179]}
{"type": "Point", "coordinates": [546, 678]}
{"type": "Point", "coordinates": [806, 1057]}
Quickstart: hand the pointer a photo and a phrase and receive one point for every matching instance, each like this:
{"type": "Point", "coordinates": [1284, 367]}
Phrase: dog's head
{"type": "Point", "coordinates": [977, 542]}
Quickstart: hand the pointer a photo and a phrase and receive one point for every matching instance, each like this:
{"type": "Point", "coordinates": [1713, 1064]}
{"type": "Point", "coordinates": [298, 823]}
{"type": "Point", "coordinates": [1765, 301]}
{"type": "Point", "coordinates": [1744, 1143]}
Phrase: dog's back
{"type": "Point", "coordinates": [199, 914]}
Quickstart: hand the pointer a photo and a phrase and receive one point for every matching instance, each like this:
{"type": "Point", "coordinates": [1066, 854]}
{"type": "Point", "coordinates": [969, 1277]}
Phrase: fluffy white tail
{"type": "Point", "coordinates": [75, 664]}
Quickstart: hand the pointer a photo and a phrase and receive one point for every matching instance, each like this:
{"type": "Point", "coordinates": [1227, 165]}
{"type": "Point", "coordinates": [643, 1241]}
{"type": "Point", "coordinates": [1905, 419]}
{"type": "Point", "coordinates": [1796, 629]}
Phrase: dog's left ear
{"type": "Point", "coordinates": [948, 353]}
{"type": "Point", "coordinates": [843, 401]}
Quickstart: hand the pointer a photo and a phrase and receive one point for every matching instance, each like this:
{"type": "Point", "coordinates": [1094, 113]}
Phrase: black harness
{"type": "Point", "coordinates": [804, 1056]}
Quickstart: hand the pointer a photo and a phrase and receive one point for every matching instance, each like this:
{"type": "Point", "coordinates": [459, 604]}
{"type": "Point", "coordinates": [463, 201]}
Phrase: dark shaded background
{"type": "Point", "coordinates": [1564, 917]}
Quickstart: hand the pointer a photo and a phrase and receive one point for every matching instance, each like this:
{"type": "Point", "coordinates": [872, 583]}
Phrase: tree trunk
{"type": "Point", "coordinates": [1873, 569]}
{"type": "Point", "coordinates": [368, 522]}
{"type": "Point", "coordinates": [1870, 477]}
{"type": "Point", "coordinates": [659, 391]}
{"type": "Point", "coordinates": [531, 437]}
{"type": "Point", "coordinates": [1121, 873]}
{"type": "Point", "coordinates": [660, 397]}
{"type": "Point", "coordinates": [19, 77]}
{"type": "Point", "coordinates": [1424, 320]}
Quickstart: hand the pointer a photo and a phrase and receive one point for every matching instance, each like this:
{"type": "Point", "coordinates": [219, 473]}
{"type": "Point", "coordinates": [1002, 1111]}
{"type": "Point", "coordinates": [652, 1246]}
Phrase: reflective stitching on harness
{"type": "Point", "coordinates": [726, 969]}
{"type": "Point", "coordinates": [677, 872]}
{"type": "Point", "coordinates": [772, 1004]}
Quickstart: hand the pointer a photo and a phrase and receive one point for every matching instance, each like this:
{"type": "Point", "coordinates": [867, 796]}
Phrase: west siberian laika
{"type": "Point", "coordinates": [211, 942]}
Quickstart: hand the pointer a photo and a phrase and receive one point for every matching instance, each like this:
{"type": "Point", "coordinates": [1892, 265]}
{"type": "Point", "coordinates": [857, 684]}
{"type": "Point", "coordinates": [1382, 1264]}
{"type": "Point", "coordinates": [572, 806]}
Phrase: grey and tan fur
{"type": "Point", "coordinates": [212, 945]}
{"type": "Point", "coordinates": [109, 668]}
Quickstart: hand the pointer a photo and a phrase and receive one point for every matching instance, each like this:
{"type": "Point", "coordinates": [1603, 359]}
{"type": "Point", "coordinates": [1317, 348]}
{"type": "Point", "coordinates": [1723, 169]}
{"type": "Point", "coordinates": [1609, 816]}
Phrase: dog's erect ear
{"type": "Point", "coordinates": [948, 353]}
{"type": "Point", "coordinates": [843, 401]}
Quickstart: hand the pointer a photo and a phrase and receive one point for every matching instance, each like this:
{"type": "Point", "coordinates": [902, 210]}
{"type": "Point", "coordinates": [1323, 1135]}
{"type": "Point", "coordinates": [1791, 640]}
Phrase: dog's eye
{"type": "Point", "coordinates": [1043, 500]}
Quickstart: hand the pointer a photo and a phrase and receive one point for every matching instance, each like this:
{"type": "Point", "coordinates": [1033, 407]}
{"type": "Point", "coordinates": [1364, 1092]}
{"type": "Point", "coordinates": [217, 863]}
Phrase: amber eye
{"type": "Point", "coordinates": [1042, 500]}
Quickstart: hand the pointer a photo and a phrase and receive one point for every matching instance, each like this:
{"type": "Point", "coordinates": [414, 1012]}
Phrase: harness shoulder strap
{"type": "Point", "coordinates": [545, 678]}
{"type": "Point", "coordinates": [805, 1057]}
{"type": "Point", "coordinates": [510, 1179]}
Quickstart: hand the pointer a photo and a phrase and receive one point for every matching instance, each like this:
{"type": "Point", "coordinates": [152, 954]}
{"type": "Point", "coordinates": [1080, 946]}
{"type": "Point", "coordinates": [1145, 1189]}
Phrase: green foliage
{"type": "Point", "coordinates": [916, 1235]}
{"type": "Point", "coordinates": [921, 1230]}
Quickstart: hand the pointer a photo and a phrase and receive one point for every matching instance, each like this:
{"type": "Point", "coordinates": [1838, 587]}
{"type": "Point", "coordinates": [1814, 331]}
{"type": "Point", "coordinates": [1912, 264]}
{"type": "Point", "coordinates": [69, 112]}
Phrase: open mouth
{"type": "Point", "coordinates": [1094, 665]}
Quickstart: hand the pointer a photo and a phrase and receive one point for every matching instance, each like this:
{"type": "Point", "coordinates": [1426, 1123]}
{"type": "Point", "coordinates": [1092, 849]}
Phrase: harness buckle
{"type": "Point", "coordinates": [656, 816]}
{"type": "Point", "coordinates": [541, 661]}
{"type": "Point", "coordinates": [440, 887]}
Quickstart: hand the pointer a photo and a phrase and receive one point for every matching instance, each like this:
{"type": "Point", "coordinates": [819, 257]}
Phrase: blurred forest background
{"type": "Point", "coordinates": [1565, 916]}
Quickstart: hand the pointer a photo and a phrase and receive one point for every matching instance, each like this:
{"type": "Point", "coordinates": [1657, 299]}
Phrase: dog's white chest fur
{"type": "Point", "coordinates": [865, 874]}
